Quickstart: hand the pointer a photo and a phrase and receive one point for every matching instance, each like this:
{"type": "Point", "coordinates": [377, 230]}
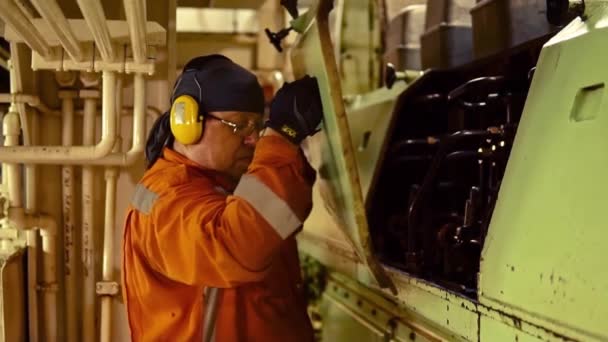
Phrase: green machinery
{"type": "Point", "coordinates": [465, 203]}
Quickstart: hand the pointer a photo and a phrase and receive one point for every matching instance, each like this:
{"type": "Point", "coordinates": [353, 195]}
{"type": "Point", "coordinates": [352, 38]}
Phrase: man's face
{"type": "Point", "coordinates": [224, 149]}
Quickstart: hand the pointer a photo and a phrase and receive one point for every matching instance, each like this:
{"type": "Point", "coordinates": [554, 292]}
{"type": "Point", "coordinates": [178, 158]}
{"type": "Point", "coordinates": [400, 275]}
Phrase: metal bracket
{"type": "Point", "coordinates": [107, 288]}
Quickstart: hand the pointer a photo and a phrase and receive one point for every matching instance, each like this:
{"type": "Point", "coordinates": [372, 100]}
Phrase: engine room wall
{"type": "Point", "coordinates": [49, 189]}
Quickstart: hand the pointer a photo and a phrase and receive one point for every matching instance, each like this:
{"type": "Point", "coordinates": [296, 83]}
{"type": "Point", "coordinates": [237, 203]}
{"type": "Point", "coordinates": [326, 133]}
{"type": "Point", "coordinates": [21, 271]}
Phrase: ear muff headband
{"type": "Point", "coordinates": [187, 119]}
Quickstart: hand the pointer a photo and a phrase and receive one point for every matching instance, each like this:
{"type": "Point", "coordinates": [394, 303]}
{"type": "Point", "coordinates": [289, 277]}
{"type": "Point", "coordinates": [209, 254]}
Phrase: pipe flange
{"type": "Point", "coordinates": [107, 288]}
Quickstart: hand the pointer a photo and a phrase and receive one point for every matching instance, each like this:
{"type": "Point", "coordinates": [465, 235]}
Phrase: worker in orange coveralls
{"type": "Point", "coordinates": [209, 252]}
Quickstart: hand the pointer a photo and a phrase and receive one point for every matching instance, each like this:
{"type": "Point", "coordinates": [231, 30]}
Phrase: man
{"type": "Point", "coordinates": [218, 207]}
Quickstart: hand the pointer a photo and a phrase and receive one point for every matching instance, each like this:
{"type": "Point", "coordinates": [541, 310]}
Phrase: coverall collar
{"type": "Point", "coordinates": [222, 180]}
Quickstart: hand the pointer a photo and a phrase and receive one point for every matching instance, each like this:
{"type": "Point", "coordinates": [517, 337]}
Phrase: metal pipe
{"type": "Point", "coordinates": [16, 86]}
{"type": "Point", "coordinates": [53, 15]}
{"type": "Point", "coordinates": [69, 217]}
{"type": "Point", "coordinates": [31, 206]}
{"type": "Point", "coordinates": [11, 127]}
{"type": "Point", "coordinates": [29, 134]}
{"type": "Point", "coordinates": [93, 13]}
{"type": "Point", "coordinates": [48, 232]}
{"type": "Point", "coordinates": [31, 100]}
{"type": "Point", "coordinates": [35, 102]}
{"type": "Point", "coordinates": [48, 229]}
{"type": "Point", "coordinates": [139, 129]}
{"type": "Point", "coordinates": [111, 176]}
{"type": "Point", "coordinates": [14, 16]}
{"type": "Point", "coordinates": [88, 260]}
{"type": "Point", "coordinates": [135, 11]}
{"type": "Point", "coordinates": [72, 154]}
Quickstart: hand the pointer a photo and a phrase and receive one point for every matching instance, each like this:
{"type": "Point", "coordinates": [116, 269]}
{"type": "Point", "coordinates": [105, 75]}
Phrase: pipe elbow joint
{"type": "Point", "coordinates": [46, 224]}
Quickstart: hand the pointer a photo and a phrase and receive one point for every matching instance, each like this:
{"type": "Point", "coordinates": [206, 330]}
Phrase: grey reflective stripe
{"type": "Point", "coordinates": [269, 205]}
{"type": "Point", "coordinates": [210, 306]}
{"type": "Point", "coordinates": [143, 199]}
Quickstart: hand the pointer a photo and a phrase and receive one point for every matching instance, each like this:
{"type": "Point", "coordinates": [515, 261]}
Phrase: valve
{"type": "Point", "coordinates": [276, 38]}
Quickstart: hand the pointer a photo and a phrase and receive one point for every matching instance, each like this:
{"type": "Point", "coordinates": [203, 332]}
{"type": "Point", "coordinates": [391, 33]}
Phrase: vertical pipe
{"type": "Point", "coordinates": [12, 129]}
{"type": "Point", "coordinates": [88, 262]}
{"type": "Point", "coordinates": [67, 175]}
{"type": "Point", "coordinates": [31, 206]}
{"type": "Point", "coordinates": [139, 111]}
{"type": "Point", "coordinates": [4, 175]}
{"type": "Point", "coordinates": [48, 231]}
{"type": "Point", "coordinates": [111, 176]}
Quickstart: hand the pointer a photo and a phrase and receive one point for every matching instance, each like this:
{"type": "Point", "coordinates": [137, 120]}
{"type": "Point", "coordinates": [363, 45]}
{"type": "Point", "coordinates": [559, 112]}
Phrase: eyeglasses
{"type": "Point", "coordinates": [242, 130]}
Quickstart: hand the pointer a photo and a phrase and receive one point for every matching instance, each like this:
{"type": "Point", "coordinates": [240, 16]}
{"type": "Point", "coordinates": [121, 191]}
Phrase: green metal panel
{"type": "Point", "coordinates": [450, 313]}
{"type": "Point", "coordinates": [498, 331]}
{"type": "Point", "coordinates": [360, 46]}
{"type": "Point", "coordinates": [352, 312]}
{"type": "Point", "coordinates": [369, 116]}
{"type": "Point", "coordinates": [332, 148]}
{"type": "Point", "coordinates": [544, 256]}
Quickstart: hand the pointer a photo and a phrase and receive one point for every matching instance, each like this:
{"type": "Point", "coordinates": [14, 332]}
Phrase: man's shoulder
{"type": "Point", "coordinates": [169, 180]}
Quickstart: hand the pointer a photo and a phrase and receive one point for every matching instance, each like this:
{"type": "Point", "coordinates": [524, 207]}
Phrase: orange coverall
{"type": "Point", "coordinates": [184, 231]}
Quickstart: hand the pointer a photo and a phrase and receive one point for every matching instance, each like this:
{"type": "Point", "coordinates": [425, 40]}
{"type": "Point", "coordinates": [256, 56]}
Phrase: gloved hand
{"type": "Point", "coordinates": [296, 109]}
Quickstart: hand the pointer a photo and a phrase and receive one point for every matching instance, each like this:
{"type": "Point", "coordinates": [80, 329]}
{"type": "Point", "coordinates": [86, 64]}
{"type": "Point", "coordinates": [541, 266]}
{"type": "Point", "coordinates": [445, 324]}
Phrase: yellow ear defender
{"type": "Point", "coordinates": [186, 121]}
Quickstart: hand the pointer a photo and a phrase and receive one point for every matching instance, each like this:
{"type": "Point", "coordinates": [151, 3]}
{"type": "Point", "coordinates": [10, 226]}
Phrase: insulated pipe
{"type": "Point", "coordinates": [111, 176]}
{"type": "Point", "coordinates": [93, 14]}
{"type": "Point", "coordinates": [139, 129]}
{"type": "Point", "coordinates": [11, 129]}
{"type": "Point", "coordinates": [53, 15]}
{"type": "Point", "coordinates": [135, 11]}
{"type": "Point", "coordinates": [73, 154]}
{"type": "Point", "coordinates": [14, 16]}
{"type": "Point", "coordinates": [35, 102]}
{"type": "Point", "coordinates": [31, 206]}
{"type": "Point", "coordinates": [48, 231]}
{"type": "Point", "coordinates": [69, 217]}
{"type": "Point", "coordinates": [88, 260]}
{"type": "Point", "coordinates": [31, 100]}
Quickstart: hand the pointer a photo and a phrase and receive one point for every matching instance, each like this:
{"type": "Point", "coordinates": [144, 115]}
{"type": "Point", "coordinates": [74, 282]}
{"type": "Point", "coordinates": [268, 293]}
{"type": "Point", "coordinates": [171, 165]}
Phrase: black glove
{"type": "Point", "coordinates": [296, 109]}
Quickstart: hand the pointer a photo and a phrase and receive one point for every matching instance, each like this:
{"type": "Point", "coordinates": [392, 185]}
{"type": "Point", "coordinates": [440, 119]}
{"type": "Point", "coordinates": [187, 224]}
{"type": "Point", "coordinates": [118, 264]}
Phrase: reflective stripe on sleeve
{"type": "Point", "coordinates": [270, 206]}
{"type": "Point", "coordinates": [143, 199]}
